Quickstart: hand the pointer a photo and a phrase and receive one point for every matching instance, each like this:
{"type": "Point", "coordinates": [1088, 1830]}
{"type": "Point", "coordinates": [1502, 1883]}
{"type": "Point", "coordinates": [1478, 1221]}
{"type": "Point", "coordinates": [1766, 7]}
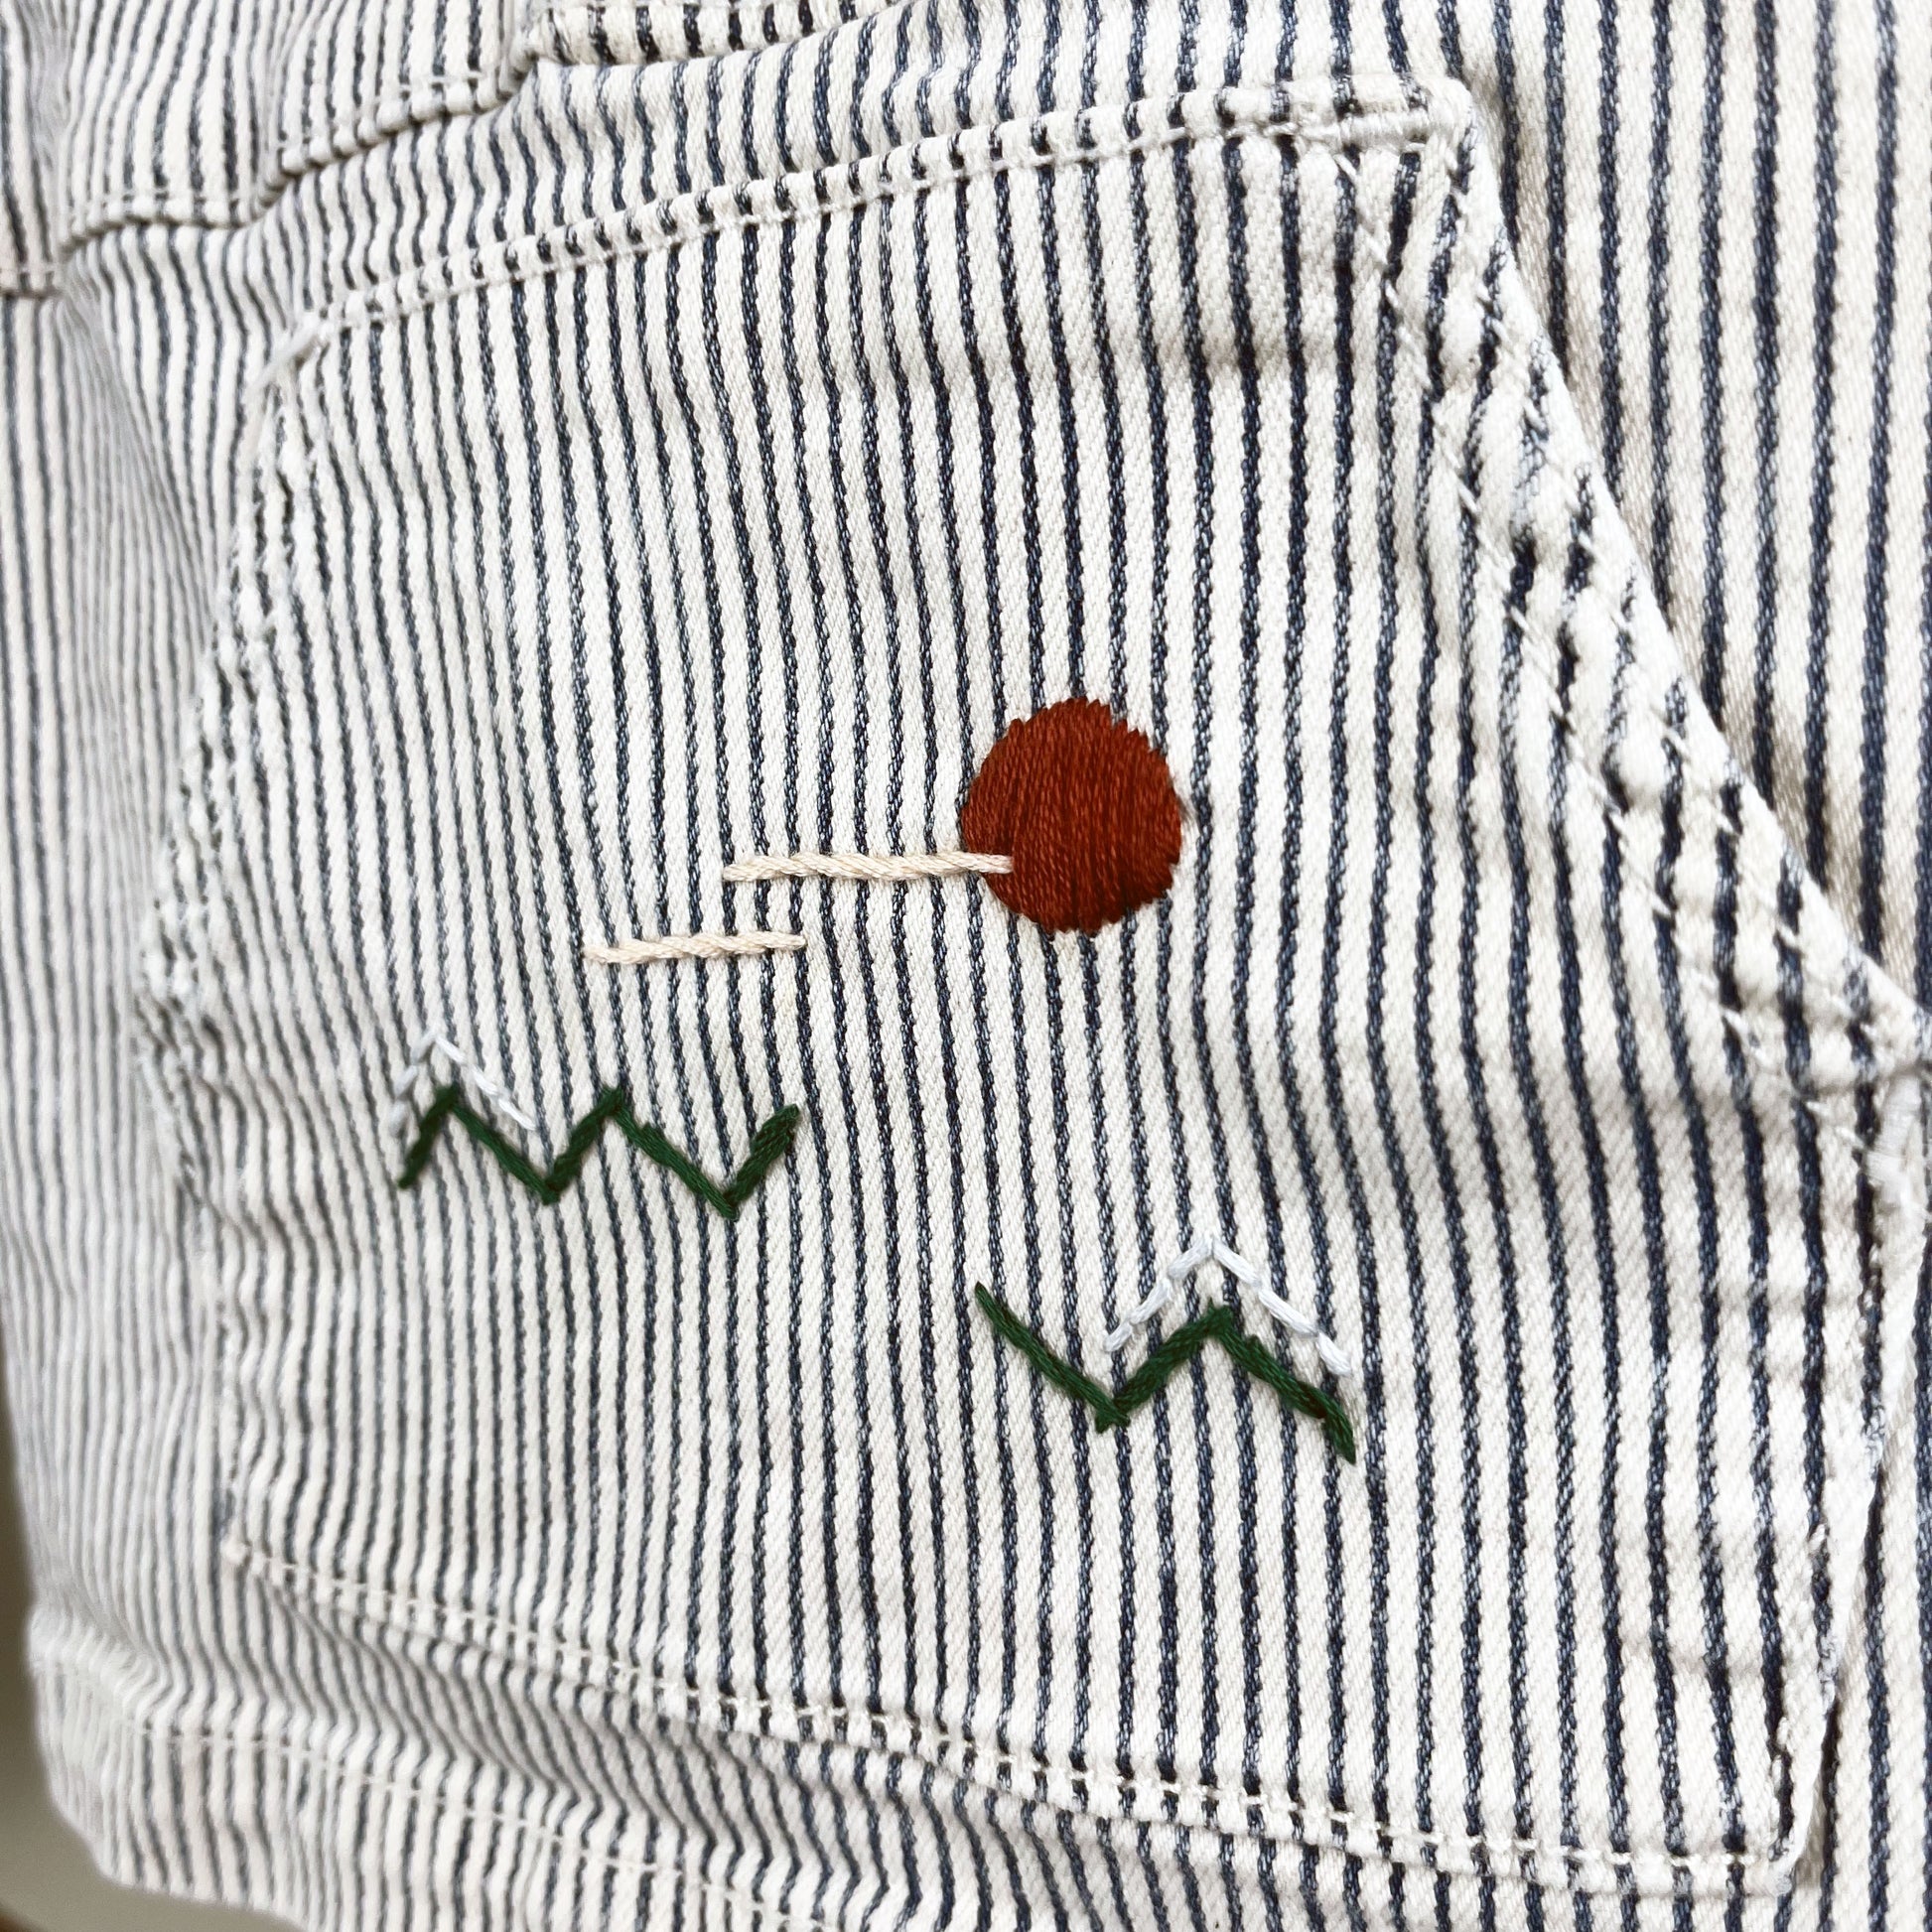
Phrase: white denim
{"type": "Point", "coordinates": [468, 481]}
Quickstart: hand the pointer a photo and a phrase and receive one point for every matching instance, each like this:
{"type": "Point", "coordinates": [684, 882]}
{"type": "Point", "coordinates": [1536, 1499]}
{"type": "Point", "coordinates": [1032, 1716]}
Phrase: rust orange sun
{"type": "Point", "coordinates": [1085, 807]}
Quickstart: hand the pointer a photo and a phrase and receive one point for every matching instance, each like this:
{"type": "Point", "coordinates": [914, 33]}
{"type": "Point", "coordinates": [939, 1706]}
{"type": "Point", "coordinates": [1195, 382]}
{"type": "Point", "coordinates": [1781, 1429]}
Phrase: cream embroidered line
{"type": "Point", "coordinates": [692, 945]}
{"type": "Point", "coordinates": [418, 1066]}
{"type": "Point", "coordinates": [1334, 1358]}
{"type": "Point", "coordinates": [882, 867]}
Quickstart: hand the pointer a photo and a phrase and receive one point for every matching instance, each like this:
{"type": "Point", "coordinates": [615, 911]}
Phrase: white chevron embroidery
{"type": "Point", "coordinates": [1334, 1358]}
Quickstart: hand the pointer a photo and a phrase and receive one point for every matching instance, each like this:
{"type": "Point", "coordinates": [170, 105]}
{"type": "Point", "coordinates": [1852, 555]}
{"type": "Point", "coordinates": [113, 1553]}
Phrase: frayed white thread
{"type": "Point", "coordinates": [417, 1068]}
{"type": "Point", "coordinates": [1334, 1358]}
{"type": "Point", "coordinates": [692, 945]}
{"type": "Point", "coordinates": [879, 866]}
{"type": "Point", "coordinates": [1893, 1175]}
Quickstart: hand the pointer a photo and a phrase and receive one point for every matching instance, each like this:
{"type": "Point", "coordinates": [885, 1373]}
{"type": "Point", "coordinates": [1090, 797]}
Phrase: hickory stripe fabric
{"type": "Point", "coordinates": [470, 475]}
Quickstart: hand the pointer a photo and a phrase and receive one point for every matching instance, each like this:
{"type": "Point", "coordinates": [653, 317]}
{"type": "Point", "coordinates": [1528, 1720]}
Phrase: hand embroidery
{"type": "Point", "coordinates": [1072, 820]}
{"type": "Point", "coordinates": [1334, 1358]}
{"type": "Point", "coordinates": [1112, 1407]}
{"type": "Point", "coordinates": [419, 1067]}
{"type": "Point", "coordinates": [768, 1147]}
{"type": "Point", "coordinates": [655, 949]}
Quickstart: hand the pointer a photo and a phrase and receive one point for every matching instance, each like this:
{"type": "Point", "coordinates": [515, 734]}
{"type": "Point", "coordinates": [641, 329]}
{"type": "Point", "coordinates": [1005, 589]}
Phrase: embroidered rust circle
{"type": "Point", "coordinates": [1086, 809]}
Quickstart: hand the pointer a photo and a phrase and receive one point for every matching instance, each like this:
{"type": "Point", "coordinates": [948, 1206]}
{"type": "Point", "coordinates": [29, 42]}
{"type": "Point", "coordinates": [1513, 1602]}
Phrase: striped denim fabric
{"type": "Point", "coordinates": [471, 479]}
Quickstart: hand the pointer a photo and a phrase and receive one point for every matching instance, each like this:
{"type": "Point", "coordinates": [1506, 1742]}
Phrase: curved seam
{"type": "Point", "coordinates": [1878, 1162]}
{"type": "Point", "coordinates": [430, 102]}
{"type": "Point", "coordinates": [1698, 782]}
{"type": "Point", "coordinates": [443, 98]}
{"type": "Point", "coordinates": [929, 1743]}
{"type": "Point", "coordinates": [731, 9]}
{"type": "Point", "coordinates": [777, 202]}
{"type": "Point", "coordinates": [768, 204]}
{"type": "Point", "coordinates": [205, 1738]}
{"type": "Point", "coordinates": [971, 153]}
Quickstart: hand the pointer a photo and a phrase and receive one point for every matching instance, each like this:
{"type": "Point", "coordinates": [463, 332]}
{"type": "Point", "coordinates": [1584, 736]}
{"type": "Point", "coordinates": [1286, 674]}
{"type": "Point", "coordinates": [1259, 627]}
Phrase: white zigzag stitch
{"type": "Point", "coordinates": [1334, 1358]}
{"type": "Point", "coordinates": [410, 1074]}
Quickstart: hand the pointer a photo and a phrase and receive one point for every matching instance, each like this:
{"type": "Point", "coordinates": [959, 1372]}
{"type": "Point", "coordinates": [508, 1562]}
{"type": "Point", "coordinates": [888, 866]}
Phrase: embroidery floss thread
{"type": "Point", "coordinates": [431, 1046]}
{"type": "Point", "coordinates": [1334, 1358]}
{"type": "Point", "coordinates": [1072, 820]}
{"type": "Point", "coordinates": [769, 1145]}
{"type": "Point", "coordinates": [874, 867]}
{"type": "Point", "coordinates": [657, 947]}
{"type": "Point", "coordinates": [1088, 809]}
{"type": "Point", "coordinates": [1113, 1407]}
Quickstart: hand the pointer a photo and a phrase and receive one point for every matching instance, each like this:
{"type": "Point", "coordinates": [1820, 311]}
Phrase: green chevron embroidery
{"type": "Point", "coordinates": [1112, 1407]}
{"type": "Point", "coordinates": [768, 1147]}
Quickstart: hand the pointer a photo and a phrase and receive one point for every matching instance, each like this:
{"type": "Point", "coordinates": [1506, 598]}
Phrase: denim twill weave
{"type": "Point", "coordinates": [468, 481]}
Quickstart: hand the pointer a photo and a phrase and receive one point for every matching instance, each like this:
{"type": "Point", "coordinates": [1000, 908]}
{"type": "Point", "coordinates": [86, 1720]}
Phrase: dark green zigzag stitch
{"type": "Point", "coordinates": [1111, 1408]}
{"type": "Point", "coordinates": [768, 1147]}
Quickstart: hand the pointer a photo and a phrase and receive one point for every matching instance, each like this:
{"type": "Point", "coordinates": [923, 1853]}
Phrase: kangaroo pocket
{"type": "Point", "coordinates": [1383, 1345]}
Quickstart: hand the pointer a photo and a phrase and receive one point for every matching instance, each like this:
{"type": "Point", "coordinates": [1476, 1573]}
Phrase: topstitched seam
{"type": "Point", "coordinates": [439, 97]}
{"type": "Point", "coordinates": [424, 103]}
{"type": "Point", "coordinates": [1694, 783]}
{"type": "Point", "coordinates": [367, 1599]}
{"type": "Point", "coordinates": [1617, 816]}
{"type": "Point", "coordinates": [207, 1738]}
{"type": "Point", "coordinates": [551, 19]}
{"type": "Point", "coordinates": [30, 280]}
{"type": "Point", "coordinates": [970, 153]}
{"type": "Point", "coordinates": [926, 1740]}
{"type": "Point", "coordinates": [1863, 1147]}
{"type": "Point", "coordinates": [732, 9]}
